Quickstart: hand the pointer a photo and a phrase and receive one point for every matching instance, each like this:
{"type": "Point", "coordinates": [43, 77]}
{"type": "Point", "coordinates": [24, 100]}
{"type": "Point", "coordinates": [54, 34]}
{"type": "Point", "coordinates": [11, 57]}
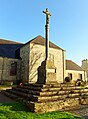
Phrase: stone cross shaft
{"type": "Point", "coordinates": [47, 32]}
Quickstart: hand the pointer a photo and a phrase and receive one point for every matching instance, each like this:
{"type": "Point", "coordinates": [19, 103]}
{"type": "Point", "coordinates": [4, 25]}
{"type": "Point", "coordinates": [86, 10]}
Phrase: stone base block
{"type": "Point", "coordinates": [47, 73]}
{"type": "Point", "coordinates": [53, 106]}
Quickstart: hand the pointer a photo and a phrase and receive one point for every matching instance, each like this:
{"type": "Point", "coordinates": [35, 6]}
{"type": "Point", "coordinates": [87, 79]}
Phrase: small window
{"type": "Point", "coordinates": [80, 76]}
{"type": "Point", "coordinates": [70, 75]}
{"type": "Point", "coordinates": [13, 69]}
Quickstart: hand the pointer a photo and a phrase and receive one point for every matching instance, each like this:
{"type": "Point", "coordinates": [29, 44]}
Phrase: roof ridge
{"type": "Point", "coordinates": [4, 41]}
{"type": "Point", "coordinates": [72, 67]}
{"type": "Point", "coordinates": [38, 41]}
{"type": "Point", "coordinates": [36, 37]}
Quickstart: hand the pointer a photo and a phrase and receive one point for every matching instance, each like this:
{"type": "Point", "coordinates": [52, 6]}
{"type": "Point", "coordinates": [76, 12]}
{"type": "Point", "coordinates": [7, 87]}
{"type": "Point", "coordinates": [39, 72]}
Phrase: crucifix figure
{"type": "Point", "coordinates": [47, 32]}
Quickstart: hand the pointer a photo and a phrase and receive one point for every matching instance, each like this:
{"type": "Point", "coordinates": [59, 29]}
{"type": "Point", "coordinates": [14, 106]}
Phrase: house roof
{"type": "Point", "coordinates": [3, 41]}
{"type": "Point", "coordinates": [70, 65]}
{"type": "Point", "coordinates": [8, 48]}
{"type": "Point", "coordinates": [41, 41]}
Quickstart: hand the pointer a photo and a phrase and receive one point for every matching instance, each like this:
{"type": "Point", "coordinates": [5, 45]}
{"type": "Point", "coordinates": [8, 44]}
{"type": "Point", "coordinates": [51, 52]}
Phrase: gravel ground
{"type": "Point", "coordinates": [82, 111]}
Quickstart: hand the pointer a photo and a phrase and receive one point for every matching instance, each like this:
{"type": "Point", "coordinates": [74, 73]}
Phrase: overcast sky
{"type": "Point", "coordinates": [22, 20]}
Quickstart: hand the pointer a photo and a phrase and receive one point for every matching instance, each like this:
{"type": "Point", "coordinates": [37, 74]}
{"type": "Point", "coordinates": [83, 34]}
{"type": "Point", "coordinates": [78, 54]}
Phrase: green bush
{"type": "Point", "coordinates": [79, 82]}
{"type": "Point", "coordinates": [67, 79]}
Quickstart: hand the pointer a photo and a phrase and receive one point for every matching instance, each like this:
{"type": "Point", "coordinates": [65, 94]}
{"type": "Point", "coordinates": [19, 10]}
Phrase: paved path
{"type": "Point", "coordinates": [82, 111]}
{"type": "Point", "coordinates": [5, 99]}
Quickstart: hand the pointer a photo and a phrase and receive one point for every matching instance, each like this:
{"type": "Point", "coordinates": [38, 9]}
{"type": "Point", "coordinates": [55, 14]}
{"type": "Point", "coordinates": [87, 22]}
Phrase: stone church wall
{"type": "Point", "coordinates": [37, 56]}
{"type": "Point", "coordinates": [59, 63]}
{"type": "Point", "coordinates": [24, 54]}
{"type": "Point", "coordinates": [75, 74]}
{"type": "Point", "coordinates": [5, 70]}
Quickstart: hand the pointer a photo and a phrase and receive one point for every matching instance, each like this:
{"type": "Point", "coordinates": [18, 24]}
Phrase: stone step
{"type": "Point", "coordinates": [53, 98]}
{"type": "Point", "coordinates": [56, 97]}
{"type": "Point", "coordinates": [39, 88]}
{"type": "Point", "coordinates": [63, 89]}
{"type": "Point", "coordinates": [77, 91]}
{"type": "Point", "coordinates": [47, 87]}
{"type": "Point", "coordinates": [66, 85]}
{"type": "Point", "coordinates": [44, 93]}
{"type": "Point", "coordinates": [57, 85]}
{"type": "Point", "coordinates": [23, 95]}
{"type": "Point", "coordinates": [84, 94]}
{"type": "Point", "coordinates": [15, 97]}
{"type": "Point", "coordinates": [29, 88]}
{"type": "Point", "coordinates": [41, 98]}
{"type": "Point", "coordinates": [33, 92]}
{"type": "Point", "coordinates": [33, 85]}
{"type": "Point", "coordinates": [42, 85]}
{"type": "Point", "coordinates": [71, 88]}
{"type": "Point", "coordinates": [37, 93]}
{"type": "Point", "coordinates": [49, 91]}
{"type": "Point", "coordinates": [84, 90]}
{"type": "Point", "coordinates": [52, 93]}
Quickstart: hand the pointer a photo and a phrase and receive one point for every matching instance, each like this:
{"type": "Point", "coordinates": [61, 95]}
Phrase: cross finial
{"type": "Point", "coordinates": [47, 12]}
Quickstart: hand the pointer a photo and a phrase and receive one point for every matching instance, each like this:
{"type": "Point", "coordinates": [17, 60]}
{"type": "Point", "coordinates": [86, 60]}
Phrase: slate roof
{"type": "Point", "coordinates": [3, 41]}
{"type": "Point", "coordinates": [41, 41]}
{"type": "Point", "coordinates": [8, 48]}
{"type": "Point", "coordinates": [70, 65]}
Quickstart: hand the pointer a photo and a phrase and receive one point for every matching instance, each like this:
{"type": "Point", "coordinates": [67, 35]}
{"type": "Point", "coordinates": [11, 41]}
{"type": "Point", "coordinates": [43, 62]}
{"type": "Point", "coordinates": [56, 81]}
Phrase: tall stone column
{"type": "Point", "coordinates": [47, 70]}
{"type": "Point", "coordinates": [46, 12]}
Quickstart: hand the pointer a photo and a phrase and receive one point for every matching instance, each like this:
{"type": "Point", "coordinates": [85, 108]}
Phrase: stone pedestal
{"type": "Point", "coordinates": [47, 73]}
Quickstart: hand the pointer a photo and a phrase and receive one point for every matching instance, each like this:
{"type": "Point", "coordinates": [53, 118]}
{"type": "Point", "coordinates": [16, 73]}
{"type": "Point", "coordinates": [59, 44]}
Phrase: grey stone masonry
{"type": "Point", "coordinates": [49, 97]}
{"type": "Point", "coordinates": [47, 72]}
{"type": "Point", "coordinates": [5, 70]}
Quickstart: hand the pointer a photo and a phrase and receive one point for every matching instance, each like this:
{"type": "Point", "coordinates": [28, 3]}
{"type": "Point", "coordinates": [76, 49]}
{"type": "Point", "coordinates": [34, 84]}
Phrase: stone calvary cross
{"type": "Point", "coordinates": [47, 32]}
{"type": "Point", "coordinates": [47, 70]}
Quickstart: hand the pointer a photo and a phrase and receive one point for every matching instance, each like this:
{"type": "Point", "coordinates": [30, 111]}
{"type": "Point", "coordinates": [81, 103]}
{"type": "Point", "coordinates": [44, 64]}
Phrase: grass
{"type": "Point", "coordinates": [18, 111]}
{"type": "Point", "coordinates": [4, 87]}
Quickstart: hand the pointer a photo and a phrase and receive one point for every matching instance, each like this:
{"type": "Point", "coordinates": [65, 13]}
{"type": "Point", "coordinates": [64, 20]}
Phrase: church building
{"type": "Point", "coordinates": [21, 61]}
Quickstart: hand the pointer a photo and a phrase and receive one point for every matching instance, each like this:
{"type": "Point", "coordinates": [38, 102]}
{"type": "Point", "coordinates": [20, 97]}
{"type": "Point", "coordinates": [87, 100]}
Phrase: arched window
{"type": "Point", "coordinates": [13, 69]}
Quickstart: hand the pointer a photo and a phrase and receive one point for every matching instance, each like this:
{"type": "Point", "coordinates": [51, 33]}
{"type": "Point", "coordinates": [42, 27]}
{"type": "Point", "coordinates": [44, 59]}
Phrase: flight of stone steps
{"type": "Point", "coordinates": [49, 97]}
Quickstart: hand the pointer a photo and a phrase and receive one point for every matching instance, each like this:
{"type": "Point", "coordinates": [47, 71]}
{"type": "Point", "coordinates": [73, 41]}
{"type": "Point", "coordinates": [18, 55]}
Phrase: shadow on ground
{"type": "Point", "coordinates": [86, 117]}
